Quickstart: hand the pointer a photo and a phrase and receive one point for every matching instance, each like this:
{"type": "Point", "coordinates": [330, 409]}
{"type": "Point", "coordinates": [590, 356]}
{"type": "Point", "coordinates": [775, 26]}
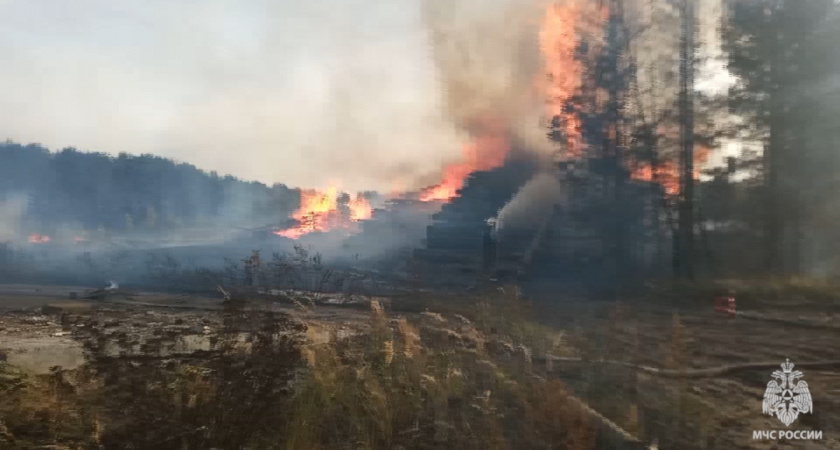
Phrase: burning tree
{"type": "Point", "coordinates": [322, 211]}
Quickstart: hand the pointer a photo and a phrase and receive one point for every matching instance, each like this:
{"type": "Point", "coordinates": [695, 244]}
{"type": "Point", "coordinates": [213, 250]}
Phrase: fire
{"type": "Point", "coordinates": [324, 211]}
{"type": "Point", "coordinates": [560, 83]}
{"type": "Point", "coordinates": [668, 172]}
{"type": "Point", "coordinates": [360, 208]}
{"type": "Point", "coordinates": [486, 151]}
{"type": "Point", "coordinates": [667, 175]}
{"type": "Point", "coordinates": [564, 25]}
{"type": "Point", "coordinates": [558, 44]}
{"type": "Point", "coordinates": [36, 238]}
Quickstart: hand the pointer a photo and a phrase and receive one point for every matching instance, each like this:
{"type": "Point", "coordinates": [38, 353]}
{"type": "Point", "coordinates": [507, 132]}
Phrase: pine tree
{"type": "Point", "coordinates": [784, 52]}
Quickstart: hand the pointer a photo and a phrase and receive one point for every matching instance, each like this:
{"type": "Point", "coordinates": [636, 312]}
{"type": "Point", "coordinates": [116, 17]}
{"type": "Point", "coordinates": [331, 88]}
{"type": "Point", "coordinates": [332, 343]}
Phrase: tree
{"type": "Point", "coordinates": [684, 258]}
{"type": "Point", "coordinates": [87, 190]}
{"type": "Point", "coordinates": [785, 56]}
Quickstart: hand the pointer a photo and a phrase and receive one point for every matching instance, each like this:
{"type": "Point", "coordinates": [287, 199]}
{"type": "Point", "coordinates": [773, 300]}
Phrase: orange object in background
{"type": "Point", "coordinates": [725, 304]}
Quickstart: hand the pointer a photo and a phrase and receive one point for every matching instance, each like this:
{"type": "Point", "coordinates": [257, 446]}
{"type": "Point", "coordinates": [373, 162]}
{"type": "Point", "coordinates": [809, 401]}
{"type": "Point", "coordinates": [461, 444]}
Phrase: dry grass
{"type": "Point", "coordinates": [432, 381]}
{"type": "Point", "coordinates": [440, 382]}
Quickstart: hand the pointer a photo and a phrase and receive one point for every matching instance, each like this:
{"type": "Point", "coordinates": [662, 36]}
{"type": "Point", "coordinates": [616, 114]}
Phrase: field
{"type": "Point", "coordinates": [488, 370]}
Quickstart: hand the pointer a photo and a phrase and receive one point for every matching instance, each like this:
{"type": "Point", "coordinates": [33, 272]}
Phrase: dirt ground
{"type": "Point", "coordinates": [720, 410]}
{"type": "Point", "coordinates": [42, 327]}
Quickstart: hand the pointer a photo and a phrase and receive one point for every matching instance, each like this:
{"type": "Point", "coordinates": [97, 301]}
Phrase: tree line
{"type": "Point", "coordinates": [772, 208]}
{"type": "Point", "coordinates": [125, 192]}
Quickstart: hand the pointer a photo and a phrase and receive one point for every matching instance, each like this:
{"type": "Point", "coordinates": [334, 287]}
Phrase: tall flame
{"type": "Point", "coordinates": [486, 151]}
{"type": "Point", "coordinates": [558, 44]}
{"type": "Point", "coordinates": [560, 82]}
{"type": "Point", "coordinates": [360, 208]}
{"type": "Point", "coordinates": [320, 211]}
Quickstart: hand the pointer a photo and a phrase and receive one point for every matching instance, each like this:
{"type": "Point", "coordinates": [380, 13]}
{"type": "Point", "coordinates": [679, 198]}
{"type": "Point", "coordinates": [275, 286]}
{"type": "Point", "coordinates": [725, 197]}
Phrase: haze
{"type": "Point", "coordinates": [305, 94]}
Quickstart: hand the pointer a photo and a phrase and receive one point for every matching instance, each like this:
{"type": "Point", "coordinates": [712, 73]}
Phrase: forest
{"type": "Point", "coordinates": [786, 100]}
{"type": "Point", "coordinates": [90, 191]}
{"type": "Point", "coordinates": [769, 207]}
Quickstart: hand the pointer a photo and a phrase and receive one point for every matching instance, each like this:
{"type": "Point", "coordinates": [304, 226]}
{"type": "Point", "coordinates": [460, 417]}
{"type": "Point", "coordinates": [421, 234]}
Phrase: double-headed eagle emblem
{"type": "Point", "coordinates": [785, 397]}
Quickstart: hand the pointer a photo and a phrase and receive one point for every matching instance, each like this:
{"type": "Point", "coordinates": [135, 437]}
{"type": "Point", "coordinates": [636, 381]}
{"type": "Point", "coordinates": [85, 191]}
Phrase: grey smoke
{"type": "Point", "coordinates": [533, 203]}
{"type": "Point", "coordinates": [487, 56]}
{"type": "Point", "coordinates": [12, 211]}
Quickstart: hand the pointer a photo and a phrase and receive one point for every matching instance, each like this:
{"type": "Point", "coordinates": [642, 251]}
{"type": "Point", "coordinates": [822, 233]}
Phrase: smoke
{"type": "Point", "coordinates": [488, 60]}
{"type": "Point", "coordinates": [12, 211]}
{"type": "Point", "coordinates": [300, 93]}
{"type": "Point", "coordinates": [533, 203]}
{"type": "Point", "coordinates": [363, 95]}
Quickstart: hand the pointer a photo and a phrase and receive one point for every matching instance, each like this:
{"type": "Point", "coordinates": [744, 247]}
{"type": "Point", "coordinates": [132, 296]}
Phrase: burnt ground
{"type": "Point", "coordinates": [41, 327]}
{"type": "Point", "coordinates": [713, 411]}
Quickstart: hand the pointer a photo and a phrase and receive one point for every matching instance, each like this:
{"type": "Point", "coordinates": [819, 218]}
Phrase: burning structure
{"type": "Point", "coordinates": [558, 226]}
{"type": "Point", "coordinates": [586, 216]}
{"type": "Point", "coordinates": [456, 241]}
{"type": "Point", "coordinates": [574, 201]}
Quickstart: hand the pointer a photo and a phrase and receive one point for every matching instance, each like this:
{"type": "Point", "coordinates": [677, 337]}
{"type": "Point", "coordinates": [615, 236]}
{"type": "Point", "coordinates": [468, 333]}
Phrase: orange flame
{"type": "Point", "coordinates": [668, 172]}
{"type": "Point", "coordinates": [563, 80]}
{"type": "Point", "coordinates": [486, 151]}
{"type": "Point", "coordinates": [360, 208]}
{"type": "Point", "coordinates": [319, 211]}
{"type": "Point", "coordinates": [667, 175]}
{"type": "Point", "coordinates": [36, 238]}
{"type": "Point", "coordinates": [558, 43]}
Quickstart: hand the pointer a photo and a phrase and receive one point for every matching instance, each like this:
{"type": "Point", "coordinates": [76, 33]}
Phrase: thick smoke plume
{"type": "Point", "coordinates": [488, 59]}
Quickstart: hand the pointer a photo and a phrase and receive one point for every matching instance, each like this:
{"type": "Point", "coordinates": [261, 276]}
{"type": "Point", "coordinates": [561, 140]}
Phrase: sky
{"type": "Point", "coordinates": [303, 93]}
{"type": "Point", "coordinates": [346, 93]}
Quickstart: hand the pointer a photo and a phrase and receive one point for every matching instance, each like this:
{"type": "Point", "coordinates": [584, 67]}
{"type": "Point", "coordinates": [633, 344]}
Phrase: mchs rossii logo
{"type": "Point", "coordinates": [786, 397]}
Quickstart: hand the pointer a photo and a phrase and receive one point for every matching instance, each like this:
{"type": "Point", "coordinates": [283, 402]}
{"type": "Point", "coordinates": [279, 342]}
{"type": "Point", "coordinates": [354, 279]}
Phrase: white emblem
{"type": "Point", "coordinates": [784, 397]}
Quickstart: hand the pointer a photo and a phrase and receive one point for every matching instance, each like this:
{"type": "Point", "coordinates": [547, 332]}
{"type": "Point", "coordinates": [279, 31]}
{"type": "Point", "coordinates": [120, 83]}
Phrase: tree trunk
{"type": "Point", "coordinates": [684, 259]}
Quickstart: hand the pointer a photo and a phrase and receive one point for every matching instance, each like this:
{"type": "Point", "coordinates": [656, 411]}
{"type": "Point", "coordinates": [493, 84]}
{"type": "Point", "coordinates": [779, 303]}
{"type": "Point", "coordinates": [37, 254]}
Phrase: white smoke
{"type": "Point", "coordinates": [12, 211]}
{"type": "Point", "coordinates": [533, 204]}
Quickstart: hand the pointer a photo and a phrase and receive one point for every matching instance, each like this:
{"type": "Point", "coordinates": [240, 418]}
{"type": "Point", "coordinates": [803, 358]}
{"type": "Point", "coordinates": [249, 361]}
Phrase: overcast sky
{"type": "Point", "coordinates": [307, 93]}
{"type": "Point", "coordinates": [304, 93]}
